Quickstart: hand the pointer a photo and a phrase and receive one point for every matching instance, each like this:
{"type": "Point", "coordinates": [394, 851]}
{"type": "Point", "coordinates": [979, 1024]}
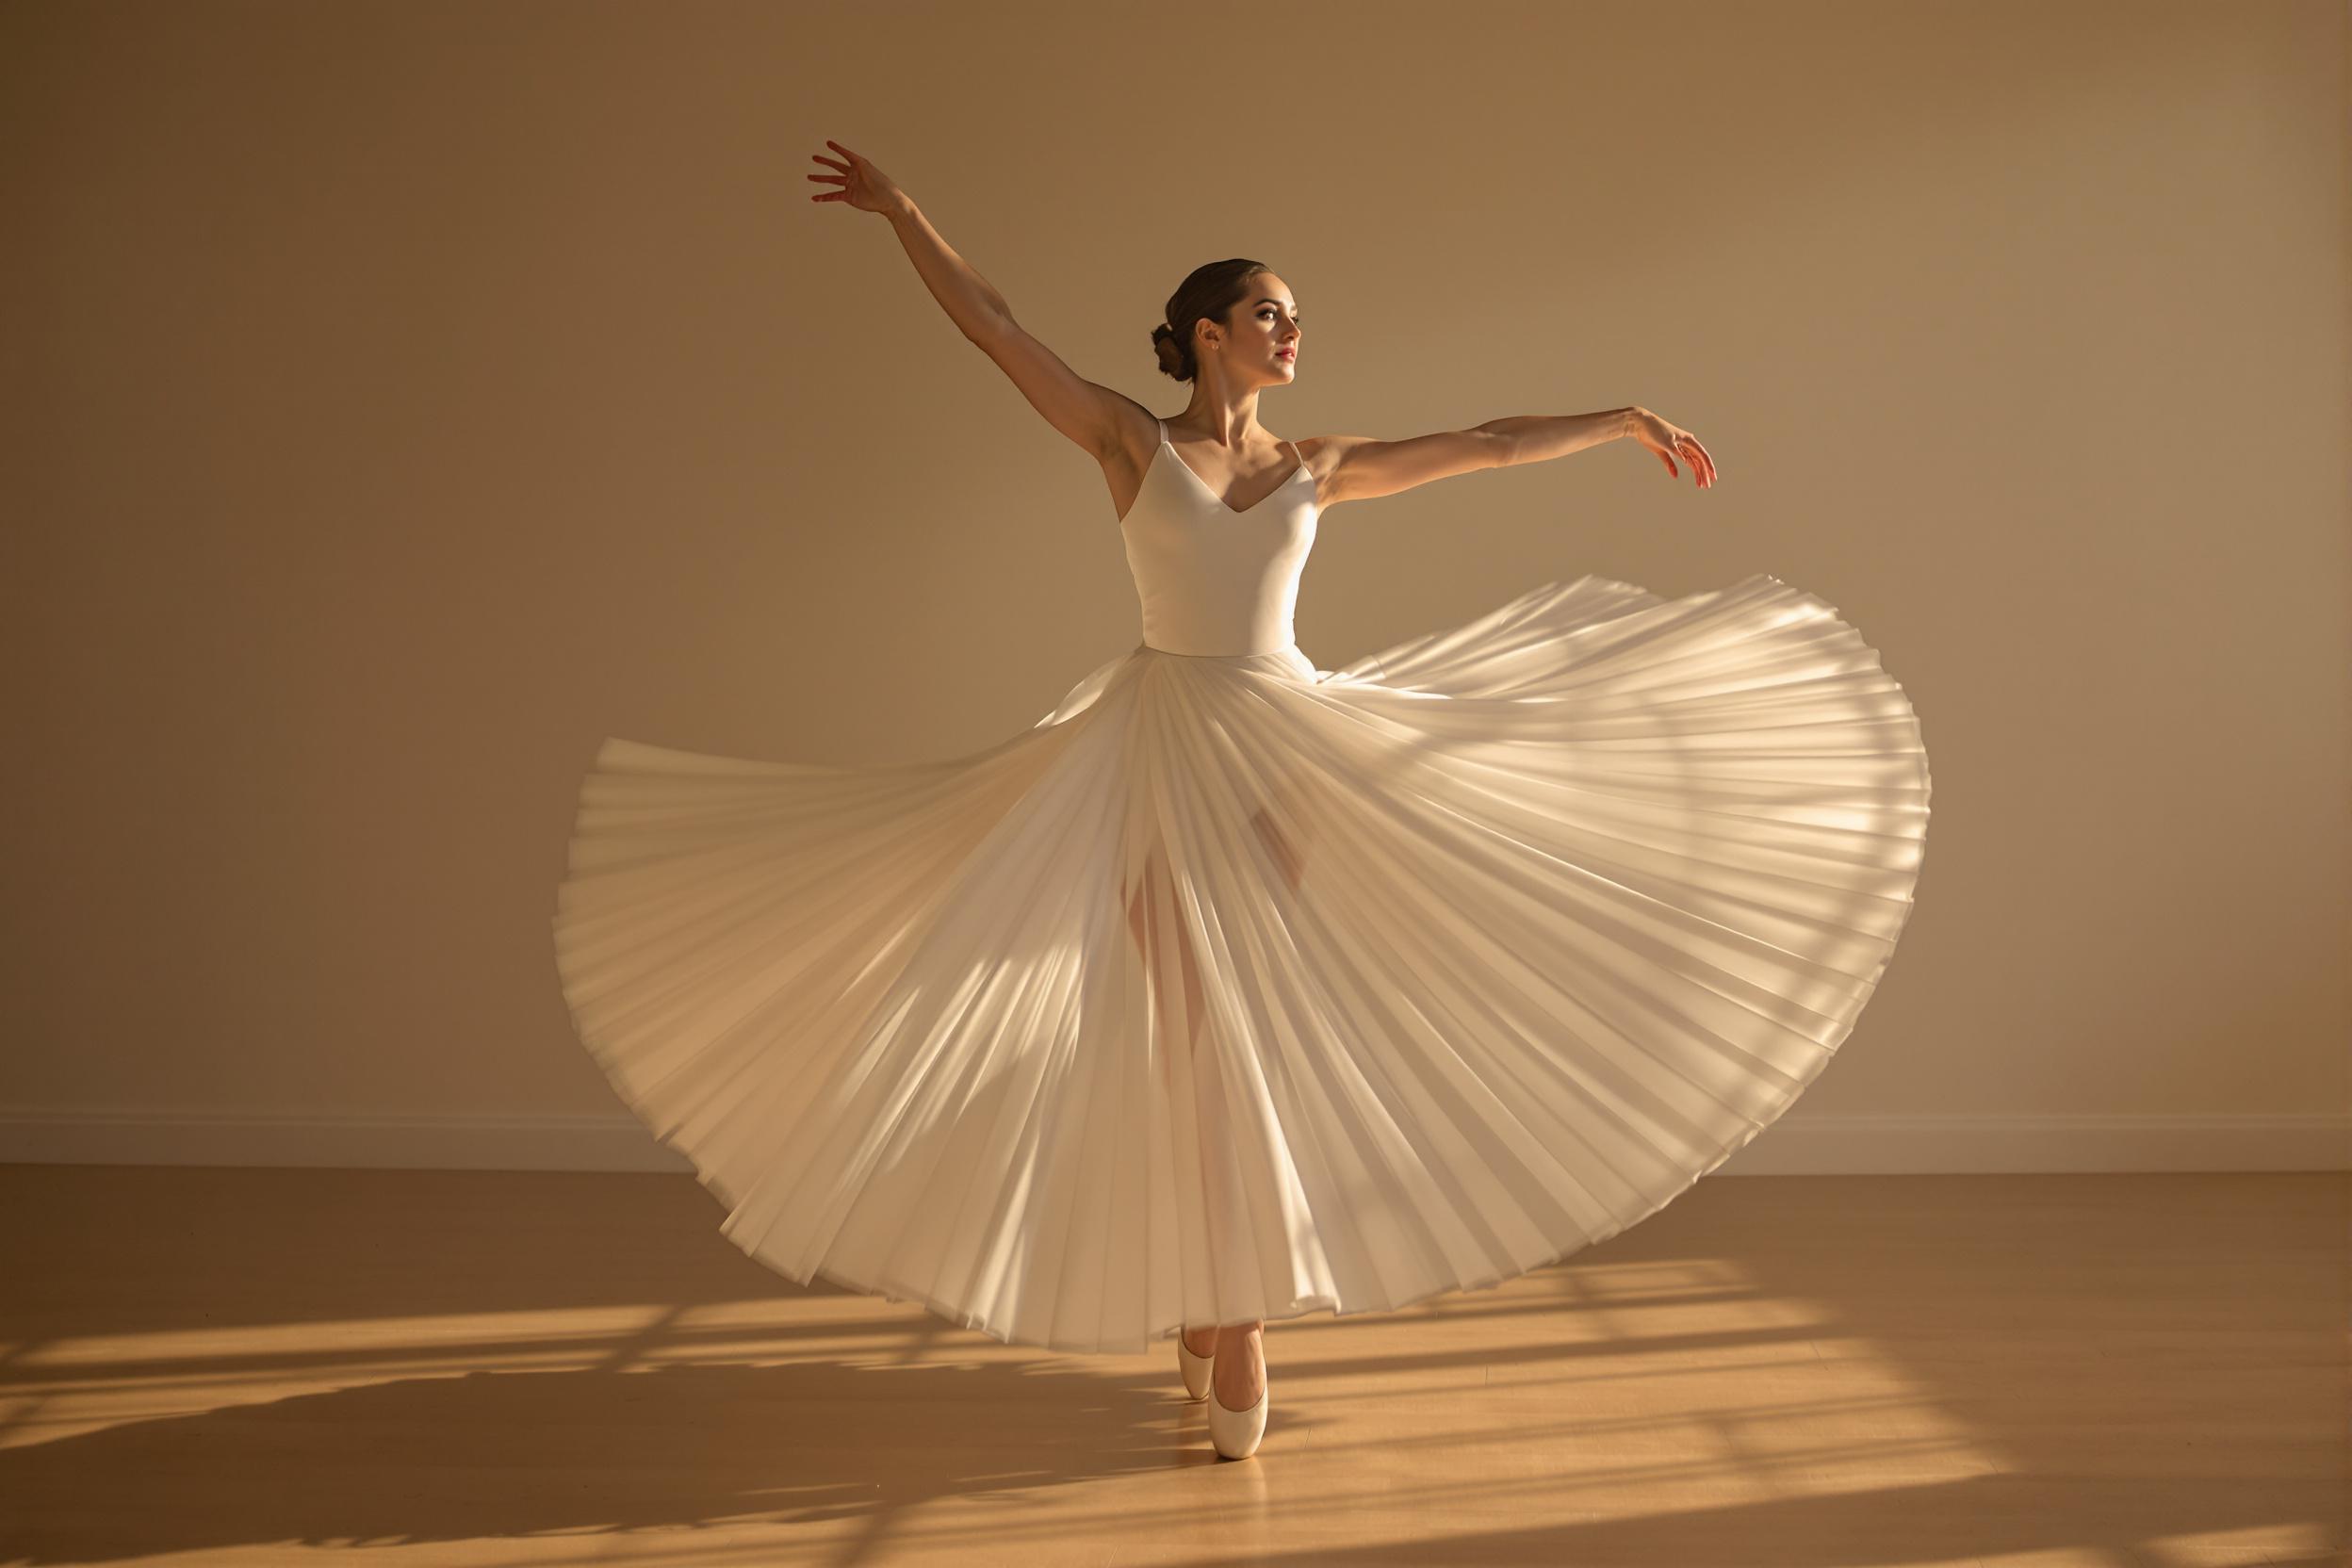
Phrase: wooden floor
{"type": "Point", "coordinates": [257, 1367]}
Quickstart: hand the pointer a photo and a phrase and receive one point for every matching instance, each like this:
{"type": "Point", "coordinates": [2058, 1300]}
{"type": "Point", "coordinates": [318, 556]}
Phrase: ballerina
{"type": "Point", "coordinates": [1236, 989]}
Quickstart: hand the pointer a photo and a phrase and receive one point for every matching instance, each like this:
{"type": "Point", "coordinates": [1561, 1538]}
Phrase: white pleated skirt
{"type": "Point", "coordinates": [1238, 989]}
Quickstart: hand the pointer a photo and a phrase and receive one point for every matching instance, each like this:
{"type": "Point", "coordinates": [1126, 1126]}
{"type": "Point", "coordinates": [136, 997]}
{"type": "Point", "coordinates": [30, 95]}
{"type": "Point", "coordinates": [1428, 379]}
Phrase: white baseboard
{"type": "Point", "coordinates": [1795, 1146]}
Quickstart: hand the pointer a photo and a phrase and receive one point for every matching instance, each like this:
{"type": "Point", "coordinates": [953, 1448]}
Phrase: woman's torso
{"type": "Point", "coordinates": [1213, 579]}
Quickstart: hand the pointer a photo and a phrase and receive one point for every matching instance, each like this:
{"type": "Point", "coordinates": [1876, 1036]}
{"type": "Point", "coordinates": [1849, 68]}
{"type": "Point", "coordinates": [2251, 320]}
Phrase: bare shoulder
{"type": "Point", "coordinates": [1358, 467]}
{"type": "Point", "coordinates": [1323, 456]}
{"type": "Point", "coordinates": [1135, 435]}
{"type": "Point", "coordinates": [1135, 441]}
{"type": "Point", "coordinates": [1324, 453]}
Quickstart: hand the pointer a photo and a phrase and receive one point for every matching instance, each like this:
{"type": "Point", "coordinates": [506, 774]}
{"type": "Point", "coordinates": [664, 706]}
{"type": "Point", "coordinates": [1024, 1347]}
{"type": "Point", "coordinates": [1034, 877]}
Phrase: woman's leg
{"type": "Point", "coordinates": [1142, 922]}
{"type": "Point", "coordinates": [1239, 1348]}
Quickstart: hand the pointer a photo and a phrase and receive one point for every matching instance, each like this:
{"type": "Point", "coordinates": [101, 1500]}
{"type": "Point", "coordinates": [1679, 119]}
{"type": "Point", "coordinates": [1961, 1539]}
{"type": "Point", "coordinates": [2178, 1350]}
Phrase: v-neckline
{"type": "Point", "coordinates": [1231, 509]}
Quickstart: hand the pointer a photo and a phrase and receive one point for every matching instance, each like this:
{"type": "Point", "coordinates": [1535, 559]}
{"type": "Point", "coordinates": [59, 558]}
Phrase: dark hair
{"type": "Point", "coordinates": [1209, 291]}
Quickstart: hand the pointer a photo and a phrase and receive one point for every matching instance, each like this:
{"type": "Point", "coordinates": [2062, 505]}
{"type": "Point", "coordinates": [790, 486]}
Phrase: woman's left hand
{"type": "Point", "coordinates": [1670, 441]}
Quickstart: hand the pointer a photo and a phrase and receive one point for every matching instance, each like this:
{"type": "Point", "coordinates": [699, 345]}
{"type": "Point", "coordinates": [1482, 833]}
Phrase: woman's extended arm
{"type": "Point", "coordinates": [1088, 413]}
{"type": "Point", "coordinates": [1539, 437]}
{"type": "Point", "coordinates": [1364, 467]}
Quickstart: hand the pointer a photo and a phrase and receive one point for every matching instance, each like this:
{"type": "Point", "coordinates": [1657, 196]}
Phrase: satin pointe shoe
{"type": "Point", "coordinates": [1236, 1433]}
{"type": "Point", "coordinates": [1195, 1369]}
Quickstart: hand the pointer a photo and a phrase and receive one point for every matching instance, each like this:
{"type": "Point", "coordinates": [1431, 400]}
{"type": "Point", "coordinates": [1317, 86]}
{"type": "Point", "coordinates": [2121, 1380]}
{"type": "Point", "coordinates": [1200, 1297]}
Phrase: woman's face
{"type": "Point", "coordinates": [1262, 339]}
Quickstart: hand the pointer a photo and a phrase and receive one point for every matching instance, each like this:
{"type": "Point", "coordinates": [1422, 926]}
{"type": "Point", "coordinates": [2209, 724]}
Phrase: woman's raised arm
{"type": "Point", "coordinates": [1090, 415]}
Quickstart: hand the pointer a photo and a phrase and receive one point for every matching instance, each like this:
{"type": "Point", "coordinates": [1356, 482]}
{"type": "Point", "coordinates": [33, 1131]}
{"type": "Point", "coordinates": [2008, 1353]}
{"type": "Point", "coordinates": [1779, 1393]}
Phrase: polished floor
{"type": "Point", "coordinates": [264, 1366]}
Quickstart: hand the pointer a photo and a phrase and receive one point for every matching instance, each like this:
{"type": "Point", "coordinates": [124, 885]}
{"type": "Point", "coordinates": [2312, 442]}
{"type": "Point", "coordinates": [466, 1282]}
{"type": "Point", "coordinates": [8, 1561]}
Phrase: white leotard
{"type": "Point", "coordinates": [1214, 581]}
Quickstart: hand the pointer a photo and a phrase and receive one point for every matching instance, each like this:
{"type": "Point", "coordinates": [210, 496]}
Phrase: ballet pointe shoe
{"type": "Point", "coordinates": [1236, 1433]}
{"type": "Point", "coordinates": [1195, 1369]}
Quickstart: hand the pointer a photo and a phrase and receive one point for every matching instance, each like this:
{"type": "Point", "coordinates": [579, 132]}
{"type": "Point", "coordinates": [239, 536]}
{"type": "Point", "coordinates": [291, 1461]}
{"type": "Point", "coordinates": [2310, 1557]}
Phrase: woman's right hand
{"type": "Point", "coordinates": [863, 186]}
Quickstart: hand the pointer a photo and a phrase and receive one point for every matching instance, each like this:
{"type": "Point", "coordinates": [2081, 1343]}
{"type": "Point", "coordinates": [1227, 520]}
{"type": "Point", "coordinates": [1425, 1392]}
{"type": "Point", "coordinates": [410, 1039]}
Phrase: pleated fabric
{"type": "Point", "coordinates": [1235, 989]}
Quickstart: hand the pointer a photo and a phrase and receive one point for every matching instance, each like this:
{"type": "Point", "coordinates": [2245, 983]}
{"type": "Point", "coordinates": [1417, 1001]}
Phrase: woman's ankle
{"type": "Point", "coordinates": [1240, 1366]}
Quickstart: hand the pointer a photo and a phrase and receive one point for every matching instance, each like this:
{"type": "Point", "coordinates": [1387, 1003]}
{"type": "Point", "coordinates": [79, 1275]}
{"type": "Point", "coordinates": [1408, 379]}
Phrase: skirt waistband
{"type": "Point", "coordinates": [1289, 660]}
{"type": "Point", "coordinates": [1286, 652]}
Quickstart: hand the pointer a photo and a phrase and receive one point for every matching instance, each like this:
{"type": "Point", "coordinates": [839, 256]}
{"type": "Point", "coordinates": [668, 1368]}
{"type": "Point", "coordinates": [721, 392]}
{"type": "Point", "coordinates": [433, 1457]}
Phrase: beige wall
{"type": "Point", "coordinates": [404, 396]}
